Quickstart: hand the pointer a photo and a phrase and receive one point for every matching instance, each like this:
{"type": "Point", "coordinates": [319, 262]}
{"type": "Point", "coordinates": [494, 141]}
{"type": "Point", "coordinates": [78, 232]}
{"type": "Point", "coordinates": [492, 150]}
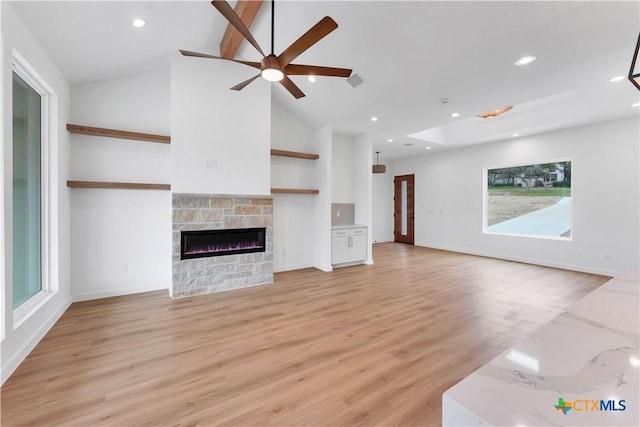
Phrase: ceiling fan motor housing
{"type": "Point", "coordinates": [270, 61]}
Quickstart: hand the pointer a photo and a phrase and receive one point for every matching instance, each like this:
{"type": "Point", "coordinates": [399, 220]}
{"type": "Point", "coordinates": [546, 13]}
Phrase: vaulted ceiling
{"type": "Point", "coordinates": [410, 54]}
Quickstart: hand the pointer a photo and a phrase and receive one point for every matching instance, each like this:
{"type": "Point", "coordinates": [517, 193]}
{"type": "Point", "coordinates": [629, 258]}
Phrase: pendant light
{"type": "Point", "coordinates": [378, 168]}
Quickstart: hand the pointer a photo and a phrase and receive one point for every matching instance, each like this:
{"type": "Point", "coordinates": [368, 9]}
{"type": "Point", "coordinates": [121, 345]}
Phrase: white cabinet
{"type": "Point", "coordinates": [348, 245]}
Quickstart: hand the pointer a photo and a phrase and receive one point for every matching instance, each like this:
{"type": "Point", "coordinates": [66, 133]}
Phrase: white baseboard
{"type": "Point", "coordinates": [290, 267]}
{"type": "Point", "coordinates": [86, 296]}
{"type": "Point", "coordinates": [11, 363]}
{"type": "Point", "coordinates": [324, 267]}
{"type": "Point", "coordinates": [544, 263]}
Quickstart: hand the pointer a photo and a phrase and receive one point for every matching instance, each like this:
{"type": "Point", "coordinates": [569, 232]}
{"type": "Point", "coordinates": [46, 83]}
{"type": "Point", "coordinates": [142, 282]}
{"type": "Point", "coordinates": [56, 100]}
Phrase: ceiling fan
{"type": "Point", "coordinates": [278, 68]}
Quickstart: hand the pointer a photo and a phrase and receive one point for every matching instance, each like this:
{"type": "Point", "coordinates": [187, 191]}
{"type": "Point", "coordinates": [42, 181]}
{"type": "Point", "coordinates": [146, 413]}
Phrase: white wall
{"type": "Point", "coordinates": [121, 239]}
{"type": "Point", "coordinates": [362, 183]}
{"type": "Point", "coordinates": [19, 341]}
{"type": "Point", "coordinates": [382, 222]}
{"type": "Point", "coordinates": [322, 217]}
{"type": "Point", "coordinates": [449, 197]}
{"type": "Point", "coordinates": [210, 123]}
{"type": "Point", "coordinates": [343, 155]}
{"type": "Point", "coordinates": [293, 214]}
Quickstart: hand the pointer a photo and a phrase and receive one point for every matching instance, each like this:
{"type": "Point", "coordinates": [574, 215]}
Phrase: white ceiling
{"type": "Point", "coordinates": [411, 54]}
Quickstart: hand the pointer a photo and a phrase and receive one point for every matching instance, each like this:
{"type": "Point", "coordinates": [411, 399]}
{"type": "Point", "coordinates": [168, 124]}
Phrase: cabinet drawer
{"type": "Point", "coordinates": [358, 231]}
{"type": "Point", "coordinates": [355, 231]}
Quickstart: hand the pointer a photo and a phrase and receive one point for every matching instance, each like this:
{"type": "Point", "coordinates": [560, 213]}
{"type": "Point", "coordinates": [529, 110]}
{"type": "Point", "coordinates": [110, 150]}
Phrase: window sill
{"type": "Point", "coordinates": [26, 310]}
{"type": "Point", "coordinates": [529, 236]}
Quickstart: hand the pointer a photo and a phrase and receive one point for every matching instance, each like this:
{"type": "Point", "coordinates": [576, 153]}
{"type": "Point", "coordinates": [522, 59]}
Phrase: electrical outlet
{"type": "Point", "coordinates": [125, 268]}
{"type": "Point", "coordinates": [607, 255]}
{"type": "Point", "coordinates": [337, 214]}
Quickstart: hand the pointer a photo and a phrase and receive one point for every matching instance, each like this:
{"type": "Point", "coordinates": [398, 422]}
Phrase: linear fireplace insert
{"type": "Point", "coordinates": [207, 243]}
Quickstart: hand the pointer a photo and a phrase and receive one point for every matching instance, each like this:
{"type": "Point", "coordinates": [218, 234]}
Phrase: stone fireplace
{"type": "Point", "coordinates": [231, 243]}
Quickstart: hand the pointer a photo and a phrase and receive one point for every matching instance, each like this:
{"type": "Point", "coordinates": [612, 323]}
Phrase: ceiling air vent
{"type": "Point", "coordinates": [355, 80]}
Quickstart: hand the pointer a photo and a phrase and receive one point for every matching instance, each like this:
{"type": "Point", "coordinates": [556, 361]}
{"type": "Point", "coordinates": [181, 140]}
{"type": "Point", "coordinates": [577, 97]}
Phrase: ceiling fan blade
{"type": "Point", "coordinates": [245, 83]}
{"type": "Point", "coordinates": [227, 11]}
{"type": "Point", "coordinates": [291, 87]}
{"type": "Point", "coordinates": [308, 39]}
{"type": "Point", "coordinates": [205, 55]}
{"type": "Point", "coordinates": [314, 70]}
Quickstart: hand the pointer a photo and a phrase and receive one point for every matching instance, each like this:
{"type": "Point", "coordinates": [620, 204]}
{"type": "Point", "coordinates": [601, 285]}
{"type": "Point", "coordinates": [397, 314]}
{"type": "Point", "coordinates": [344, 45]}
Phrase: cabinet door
{"type": "Point", "coordinates": [340, 249]}
{"type": "Point", "coordinates": [358, 248]}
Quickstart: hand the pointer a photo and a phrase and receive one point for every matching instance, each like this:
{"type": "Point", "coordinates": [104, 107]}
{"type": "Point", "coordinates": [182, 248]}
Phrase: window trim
{"type": "Point", "coordinates": [49, 184]}
{"type": "Point", "coordinates": [485, 195]}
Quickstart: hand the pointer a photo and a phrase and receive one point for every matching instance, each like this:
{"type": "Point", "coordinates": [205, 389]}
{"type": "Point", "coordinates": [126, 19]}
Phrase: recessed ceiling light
{"type": "Point", "coordinates": [515, 134]}
{"type": "Point", "coordinates": [374, 119]}
{"type": "Point", "coordinates": [637, 104]}
{"type": "Point", "coordinates": [525, 60]}
{"type": "Point", "coordinates": [139, 23]}
{"type": "Point", "coordinates": [428, 148]}
{"type": "Point", "coordinates": [455, 114]}
{"type": "Point", "coordinates": [389, 140]}
{"type": "Point", "coordinates": [312, 79]}
{"type": "Point", "coordinates": [616, 79]}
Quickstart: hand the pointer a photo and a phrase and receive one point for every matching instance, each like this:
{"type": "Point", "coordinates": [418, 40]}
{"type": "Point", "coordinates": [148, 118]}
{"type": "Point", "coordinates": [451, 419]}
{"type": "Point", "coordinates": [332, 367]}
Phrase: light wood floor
{"type": "Point", "coordinates": [366, 345]}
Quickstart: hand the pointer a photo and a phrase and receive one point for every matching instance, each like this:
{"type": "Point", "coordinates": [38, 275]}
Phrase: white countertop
{"type": "Point", "coordinates": [589, 352]}
{"type": "Point", "coordinates": [337, 227]}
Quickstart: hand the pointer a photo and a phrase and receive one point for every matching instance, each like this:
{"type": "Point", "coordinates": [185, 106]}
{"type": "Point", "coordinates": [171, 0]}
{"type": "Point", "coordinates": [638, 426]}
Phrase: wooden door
{"type": "Point", "coordinates": [403, 213]}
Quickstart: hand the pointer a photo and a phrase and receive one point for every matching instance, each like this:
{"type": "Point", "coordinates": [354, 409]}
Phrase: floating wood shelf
{"type": "Point", "coordinates": [117, 185]}
{"type": "Point", "coordinates": [293, 191]}
{"type": "Point", "coordinates": [296, 154]}
{"type": "Point", "coordinates": [121, 134]}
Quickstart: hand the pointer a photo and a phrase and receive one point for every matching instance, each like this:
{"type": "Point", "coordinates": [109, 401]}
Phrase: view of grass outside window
{"type": "Point", "coordinates": [532, 200]}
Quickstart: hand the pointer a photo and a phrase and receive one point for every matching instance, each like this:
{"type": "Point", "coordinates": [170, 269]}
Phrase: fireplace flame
{"type": "Point", "coordinates": [216, 248]}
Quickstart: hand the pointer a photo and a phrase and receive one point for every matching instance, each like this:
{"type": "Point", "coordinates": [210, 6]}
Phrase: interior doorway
{"type": "Point", "coordinates": [403, 212]}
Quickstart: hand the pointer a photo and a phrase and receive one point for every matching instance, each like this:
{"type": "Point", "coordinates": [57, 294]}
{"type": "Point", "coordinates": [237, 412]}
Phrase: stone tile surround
{"type": "Point", "coordinates": [216, 274]}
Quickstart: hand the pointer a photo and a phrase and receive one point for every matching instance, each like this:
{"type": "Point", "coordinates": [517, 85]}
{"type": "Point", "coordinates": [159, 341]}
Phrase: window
{"type": "Point", "coordinates": [531, 200]}
{"type": "Point", "coordinates": [27, 192]}
{"type": "Point", "coordinates": [34, 196]}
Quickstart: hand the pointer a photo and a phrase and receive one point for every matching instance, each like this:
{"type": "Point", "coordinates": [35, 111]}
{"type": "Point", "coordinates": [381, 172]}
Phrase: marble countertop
{"type": "Point", "coordinates": [337, 227]}
{"type": "Point", "coordinates": [586, 354]}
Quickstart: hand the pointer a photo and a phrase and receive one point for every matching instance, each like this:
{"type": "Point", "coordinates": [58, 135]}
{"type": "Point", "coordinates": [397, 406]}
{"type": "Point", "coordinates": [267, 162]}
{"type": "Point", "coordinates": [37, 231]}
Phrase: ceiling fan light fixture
{"type": "Point", "coordinates": [271, 69]}
{"type": "Point", "coordinates": [272, 74]}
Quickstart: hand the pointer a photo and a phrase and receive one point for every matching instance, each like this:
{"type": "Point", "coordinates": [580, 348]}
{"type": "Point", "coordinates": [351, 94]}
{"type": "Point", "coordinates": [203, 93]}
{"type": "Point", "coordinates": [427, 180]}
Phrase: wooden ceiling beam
{"type": "Point", "coordinates": [247, 11]}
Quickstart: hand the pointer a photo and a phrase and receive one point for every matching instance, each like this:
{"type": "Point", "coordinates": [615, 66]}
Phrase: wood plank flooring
{"type": "Point", "coordinates": [361, 346]}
